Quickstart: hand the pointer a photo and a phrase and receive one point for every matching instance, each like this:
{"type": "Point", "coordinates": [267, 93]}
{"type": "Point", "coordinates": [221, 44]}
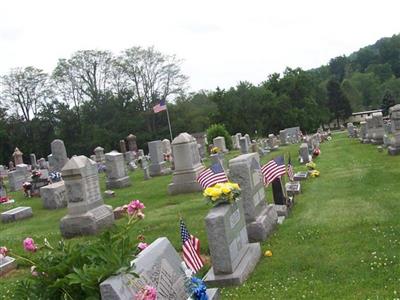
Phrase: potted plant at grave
{"type": "Point", "coordinates": [227, 192]}
{"type": "Point", "coordinates": [215, 150]}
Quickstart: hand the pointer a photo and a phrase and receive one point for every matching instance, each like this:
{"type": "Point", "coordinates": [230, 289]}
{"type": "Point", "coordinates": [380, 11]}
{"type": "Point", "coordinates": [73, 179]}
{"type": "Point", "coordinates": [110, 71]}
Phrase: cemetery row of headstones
{"type": "Point", "coordinates": [374, 130]}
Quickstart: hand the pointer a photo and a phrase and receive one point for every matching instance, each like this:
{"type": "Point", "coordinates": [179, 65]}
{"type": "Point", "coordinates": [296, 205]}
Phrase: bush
{"type": "Point", "coordinates": [219, 130]}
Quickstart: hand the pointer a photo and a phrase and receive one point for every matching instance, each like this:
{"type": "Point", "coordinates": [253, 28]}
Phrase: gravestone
{"type": "Point", "coordinates": [34, 163]}
{"type": "Point", "coordinates": [201, 140]}
{"type": "Point", "coordinates": [16, 214]}
{"type": "Point", "coordinates": [218, 158]}
{"type": "Point", "coordinates": [159, 266]}
{"type": "Point", "coordinates": [247, 136]}
{"type": "Point", "coordinates": [233, 258]}
{"type": "Point", "coordinates": [294, 134]}
{"type": "Point", "coordinates": [132, 146]}
{"type": "Point", "coordinates": [11, 165]}
{"type": "Point", "coordinates": [188, 165]}
{"type": "Point", "coordinates": [379, 131]}
{"type": "Point", "coordinates": [304, 154]}
{"type": "Point", "coordinates": [117, 176]}
{"type": "Point", "coordinates": [59, 155]}
{"type": "Point", "coordinates": [219, 142]}
{"type": "Point", "coordinates": [283, 137]}
{"type": "Point", "coordinates": [166, 147]}
{"type": "Point", "coordinates": [158, 166]}
{"type": "Point", "coordinates": [394, 113]}
{"type": "Point", "coordinates": [237, 139]}
{"type": "Point", "coordinates": [293, 188]}
{"type": "Point", "coordinates": [43, 163]}
{"type": "Point", "coordinates": [298, 176]}
{"type": "Point", "coordinates": [370, 129]}
{"type": "Point", "coordinates": [261, 218]}
{"type": "Point", "coordinates": [54, 195]}
{"type": "Point", "coordinates": [122, 146]}
{"type": "Point", "coordinates": [363, 131]}
{"type": "Point", "coordinates": [272, 142]}
{"type": "Point", "coordinates": [350, 130]}
{"type": "Point", "coordinates": [235, 142]}
{"type": "Point", "coordinates": [17, 156]}
{"type": "Point", "coordinates": [7, 264]}
{"type": "Point", "coordinates": [87, 213]}
{"type": "Point", "coordinates": [244, 145]}
{"type": "Point", "coordinates": [278, 192]}
{"type": "Point", "coordinates": [17, 177]}
{"type": "Point", "coordinates": [99, 154]}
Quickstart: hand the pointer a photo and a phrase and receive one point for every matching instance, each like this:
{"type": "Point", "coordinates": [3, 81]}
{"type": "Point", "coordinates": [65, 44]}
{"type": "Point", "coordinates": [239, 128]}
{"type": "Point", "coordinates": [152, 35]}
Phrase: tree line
{"type": "Point", "coordinates": [97, 98]}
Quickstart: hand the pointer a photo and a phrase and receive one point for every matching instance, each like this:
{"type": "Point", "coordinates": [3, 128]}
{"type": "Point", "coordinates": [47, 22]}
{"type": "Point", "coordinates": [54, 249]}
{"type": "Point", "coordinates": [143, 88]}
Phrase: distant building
{"type": "Point", "coordinates": [356, 117]}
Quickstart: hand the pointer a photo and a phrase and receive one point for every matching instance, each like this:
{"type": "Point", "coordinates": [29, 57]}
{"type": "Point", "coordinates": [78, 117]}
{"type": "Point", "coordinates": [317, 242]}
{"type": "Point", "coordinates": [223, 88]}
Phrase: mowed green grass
{"type": "Point", "coordinates": [341, 241]}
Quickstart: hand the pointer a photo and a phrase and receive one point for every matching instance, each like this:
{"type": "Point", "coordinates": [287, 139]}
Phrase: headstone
{"type": "Point", "coordinates": [87, 213]}
{"type": "Point", "coordinates": [99, 154]}
{"type": "Point", "coordinates": [59, 155]}
{"type": "Point", "coordinates": [158, 166]}
{"type": "Point", "coordinates": [17, 177]}
{"type": "Point", "coordinates": [15, 214]}
{"type": "Point", "coordinates": [201, 143]}
{"type": "Point", "coordinates": [350, 130]}
{"type": "Point", "coordinates": [235, 142]}
{"type": "Point", "coordinates": [219, 142]}
{"type": "Point", "coordinates": [363, 131]}
{"type": "Point", "coordinates": [117, 176]}
{"type": "Point", "coordinates": [187, 165]}
{"type": "Point", "coordinates": [300, 176]}
{"type": "Point", "coordinates": [370, 129]}
{"type": "Point", "coordinates": [11, 166]}
{"type": "Point", "coordinates": [294, 134]}
{"type": "Point", "coordinates": [159, 266]}
{"type": "Point", "coordinates": [17, 155]}
{"type": "Point", "coordinates": [132, 146]}
{"type": "Point", "coordinates": [260, 218]}
{"type": "Point", "coordinates": [272, 142]}
{"type": "Point", "coordinates": [122, 146]}
{"type": "Point", "coordinates": [166, 147]}
{"type": "Point", "coordinates": [304, 153]}
{"type": "Point", "coordinates": [218, 158]}
{"type": "Point", "coordinates": [293, 188]}
{"type": "Point", "coordinates": [233, 258]}
{"type": "Point", "coordinates": [379, 131]}
{"type": "Point", "coordinates": [247, 136]}
{"type": "Point", "coordinates": [283, 137]}
{"type": "Point", "coordinates": [54, 195]}
{"type": "Point", "coordinates": [42, 163]}
{"type": "Point", "coordinates": [394, 113]}
{"type": "Point", "coordinates": [7, 264]}
{"type": "Point", "coordinates": [34, 163]}
{"type": "Point", "coordinates": [244, 145]}
{"type": "Point", "coordinates": [278, 192]}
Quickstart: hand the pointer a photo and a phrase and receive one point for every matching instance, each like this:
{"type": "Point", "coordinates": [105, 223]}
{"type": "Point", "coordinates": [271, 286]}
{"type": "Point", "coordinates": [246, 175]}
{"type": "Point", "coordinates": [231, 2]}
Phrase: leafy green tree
{"type": "Point", "coordinates": [337, 101]}
{"type": "Point", "coordinates": [337, 67]}
{"type": "Point", "coordinates": [388, 101]}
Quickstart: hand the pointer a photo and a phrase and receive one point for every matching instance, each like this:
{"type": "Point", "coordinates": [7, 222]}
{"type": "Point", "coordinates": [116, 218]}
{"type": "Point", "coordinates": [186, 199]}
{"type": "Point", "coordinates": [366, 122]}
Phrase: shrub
{"type": "Point", "coordinates": [219, 130]}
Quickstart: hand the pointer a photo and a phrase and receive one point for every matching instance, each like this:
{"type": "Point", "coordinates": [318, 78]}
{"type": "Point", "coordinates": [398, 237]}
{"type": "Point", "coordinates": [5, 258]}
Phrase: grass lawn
{"type": "Point", "coordinates": [342, 240]}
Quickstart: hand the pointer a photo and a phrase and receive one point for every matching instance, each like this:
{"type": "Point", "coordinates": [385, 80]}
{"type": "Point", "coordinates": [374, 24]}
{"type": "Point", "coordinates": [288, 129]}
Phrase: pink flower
{"type": "Point", "coordinates": [148, 293]}
{"type": "Point", "coordinates": [29, 245]}
{"type": "Point", "coordinates": [3, 251]}
{"type": "Point", "coordinates": [141, 246]}
{"type": "Point", "coordinates": [134, 207]}
{"type": "Point", "coordinates": [33, 271]}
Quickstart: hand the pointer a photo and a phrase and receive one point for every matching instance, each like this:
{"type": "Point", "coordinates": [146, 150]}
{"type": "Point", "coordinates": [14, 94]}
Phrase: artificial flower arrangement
{"type": "Point", "coordinates": [36, 175]}
{"type": "Point", "coordinates": [73, 271]}
{"type": "Point", "coordinates": [215, 150]}
{"type": "Point", "coordinates": [316, 152]}
{"type": "Point", "coordinates": [311, 165]}
{"type": "Point", "coordinates": [4, 199]}
{"type": "Point", "coordinates": [226, 192]}
{"type": "Point", "coordinates": [314, 173]}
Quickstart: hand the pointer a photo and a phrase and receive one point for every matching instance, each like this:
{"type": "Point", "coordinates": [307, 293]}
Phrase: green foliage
{"type": "Point", "coordinates": [388, 101]}
{"type": "Point", "coordinates": [219, 130]}
{"type": "Point", "coordinates": [338, 103]}
{"type": "Point", "coordinates": [75, 270]}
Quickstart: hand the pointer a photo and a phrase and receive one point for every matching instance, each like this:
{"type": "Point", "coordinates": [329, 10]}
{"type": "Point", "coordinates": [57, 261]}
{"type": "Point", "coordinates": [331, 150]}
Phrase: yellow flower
{"type": "Point", "coordinates": [233, 185]}
{"type": "Point", "coordinates": [268, 253]}
{"type": "Point", "coordinates": [226, 190]}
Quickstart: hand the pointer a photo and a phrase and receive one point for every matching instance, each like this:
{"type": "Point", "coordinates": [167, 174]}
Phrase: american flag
{"type": "Point", "coordinates": [290, 172]}
{"type": "Point", "coordinates": [160, 106]}
{"type": "Point", "coordinates": [212, 175]}
{"type": "Point", "coordinates": [191, 249]}
{"type": "Point", "coordinates": [273, 169]}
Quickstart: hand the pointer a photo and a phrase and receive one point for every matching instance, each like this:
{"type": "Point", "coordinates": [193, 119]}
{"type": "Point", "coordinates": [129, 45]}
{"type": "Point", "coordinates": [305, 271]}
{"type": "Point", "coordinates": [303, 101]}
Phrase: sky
{"type": "Point", "coordinates": [220, 42]}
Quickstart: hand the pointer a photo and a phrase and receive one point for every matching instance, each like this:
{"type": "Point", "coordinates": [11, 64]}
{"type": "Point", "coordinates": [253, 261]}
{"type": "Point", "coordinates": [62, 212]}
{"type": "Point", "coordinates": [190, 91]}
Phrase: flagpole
{"type": "Point", "coordinates": [169, 123]}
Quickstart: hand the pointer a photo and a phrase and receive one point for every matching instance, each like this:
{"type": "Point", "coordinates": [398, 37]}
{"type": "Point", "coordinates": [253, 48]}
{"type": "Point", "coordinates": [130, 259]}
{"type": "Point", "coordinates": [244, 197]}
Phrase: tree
{"type": "Point", "coordinates": [338, 103]}
{"type": "Point", "coordinates": [25, 91]}
{"type": "Point", "coordinates": [337, 67]}
{"type": "Point", "coordinates": [388, 100]}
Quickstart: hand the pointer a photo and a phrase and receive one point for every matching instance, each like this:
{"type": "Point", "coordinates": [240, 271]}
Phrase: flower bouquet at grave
{"type": "Point", "coordinates": [314, 173]}
{"type": "Point", "coordinates": [227, 192]}
{"type": "Point", "coordinates": [215, 150]}
{"type": "Point", "coordinates": [36, 175]}
{"type": "Point", "coordinates": [311, 165]}
{"type": "Point", "coordinates": [65, 270]}
{"type": "Point", "coordinates": [316, 152]}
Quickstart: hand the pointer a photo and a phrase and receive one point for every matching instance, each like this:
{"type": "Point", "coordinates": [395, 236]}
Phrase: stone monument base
{"type": "Point", "coordinates": [281, 210]}
{"type": "Point", "coordinates": [88, 223]}
{"type": "Point", "coordinates": [159, 170]}
{"type": "Point", "coordinates": [182, 188]}
{"type": "Point", "coordinates": [263, 226]}
{"type": "Point", "coordinates": [377, 141]}
{"type": "Point", "coordinates": [118, 183]}
{"type": "Point", "coordinates": [246, 266]}
{"type": "Point", "coordinates": [54, 195]}
{"type": "Point", "coordinates": [293, 188]}
{"type": "Point", "coordinates": [393, 150]}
